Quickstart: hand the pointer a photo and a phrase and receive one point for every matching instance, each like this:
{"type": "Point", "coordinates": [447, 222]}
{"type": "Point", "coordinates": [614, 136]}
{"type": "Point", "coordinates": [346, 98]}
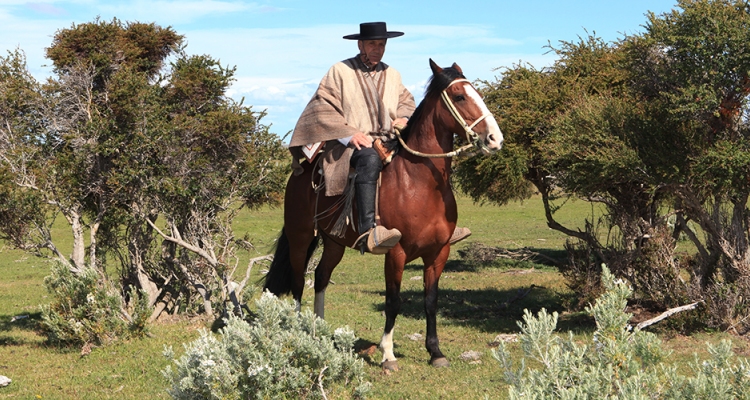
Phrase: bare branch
{"type": "Point", "coordinates": [241, 286]}
{"type": "Point", "coordinates": [667, 314]}
{"type": "Point", "coordinates": [178, 241]}
{"type": "Point", "coordinates": [320, 382]}
{"type": "Point", "coordinates": [520, 294]}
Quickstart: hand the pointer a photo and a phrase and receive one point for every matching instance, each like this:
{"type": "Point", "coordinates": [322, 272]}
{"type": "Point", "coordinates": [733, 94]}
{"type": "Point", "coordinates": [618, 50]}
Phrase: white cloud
{"type": "Point", "coordinates": [174, 12]}
{"type": "Point", "coordinates": [30, 36]}
{"type": "Point", "coordinates": [46, 8]}
{"type": "Point", "coordinates": [277, 69]}
{"type": "Point", "coordinates": [273, 90]}
{"type": "Point", "coordinates": [273, 51]}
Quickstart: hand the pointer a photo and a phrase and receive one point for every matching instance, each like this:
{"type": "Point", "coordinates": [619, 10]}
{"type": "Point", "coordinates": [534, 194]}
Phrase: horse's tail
{"type": "Point", "coordinates": [280, 277]}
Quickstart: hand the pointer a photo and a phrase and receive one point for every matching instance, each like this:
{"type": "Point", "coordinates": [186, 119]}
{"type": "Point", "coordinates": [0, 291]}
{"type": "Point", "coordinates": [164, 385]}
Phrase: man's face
{"type": "Point", "coordinates": [374, 49]}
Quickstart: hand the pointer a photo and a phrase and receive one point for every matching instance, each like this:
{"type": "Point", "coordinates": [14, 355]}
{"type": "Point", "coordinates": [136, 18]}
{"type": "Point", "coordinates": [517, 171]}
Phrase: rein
{"type": "Point", "coordinates": [471, 136]}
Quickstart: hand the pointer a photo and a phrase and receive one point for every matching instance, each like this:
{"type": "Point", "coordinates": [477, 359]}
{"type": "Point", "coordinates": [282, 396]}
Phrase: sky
{"type": "Point", "coordinates": [281, 49]}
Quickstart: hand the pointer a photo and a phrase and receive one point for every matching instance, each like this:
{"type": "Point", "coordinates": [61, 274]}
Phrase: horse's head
{"type": "Point", "coordinates": [471, 117]}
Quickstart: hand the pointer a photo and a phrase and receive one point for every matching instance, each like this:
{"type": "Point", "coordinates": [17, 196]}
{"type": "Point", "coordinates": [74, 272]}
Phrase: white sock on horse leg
{"type": "Point", "coordinates": [386, 344]}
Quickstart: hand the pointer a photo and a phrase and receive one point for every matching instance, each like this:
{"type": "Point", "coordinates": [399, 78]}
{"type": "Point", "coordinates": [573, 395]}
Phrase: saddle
{"type": "Point", "coordinates": [313, 154]}
{"type": "Point", "coordinates": [385, 151]}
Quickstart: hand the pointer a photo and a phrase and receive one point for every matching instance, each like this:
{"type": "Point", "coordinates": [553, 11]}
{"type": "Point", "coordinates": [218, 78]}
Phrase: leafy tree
{"type": "Point", "coordinates": [217, 157]}
{"type": "Point", "coordinates": [123, 144]}
{"type": "Point", "coordinates": [695, 65]}
{"type": "Point", "coordinates": [653, 128]}
{"type": "Point", "coordinates": [570, 126]}
{"type": "Point", "coordinates": [22, 209]}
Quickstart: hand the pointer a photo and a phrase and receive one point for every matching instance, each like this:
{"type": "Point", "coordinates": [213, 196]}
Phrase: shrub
{"type": "Point", "coordinates": [581, 274]}
{"type": "Point", "coordinates": [86, 309]}
{"type": "Point", "coordinates": [651, 267]}
{"type": "Point", "coordinates": [727, 305]}
{"type": "Point", "coordinates": [280, 354]}
{"type": "Point", "coordinates": [620, 363]}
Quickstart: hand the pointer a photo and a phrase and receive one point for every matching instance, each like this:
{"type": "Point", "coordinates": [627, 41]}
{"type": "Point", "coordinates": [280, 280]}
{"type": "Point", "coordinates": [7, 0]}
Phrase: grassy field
{"type": "Point", "coordinates": [473, 311]}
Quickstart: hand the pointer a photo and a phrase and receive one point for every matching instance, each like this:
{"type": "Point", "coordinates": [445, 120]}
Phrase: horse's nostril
{"type": "Point", "coordinates": [492, 141]}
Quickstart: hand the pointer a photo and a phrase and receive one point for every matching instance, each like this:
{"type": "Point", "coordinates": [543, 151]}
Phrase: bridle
{"type": "Point", "coordinates": [471, 136]}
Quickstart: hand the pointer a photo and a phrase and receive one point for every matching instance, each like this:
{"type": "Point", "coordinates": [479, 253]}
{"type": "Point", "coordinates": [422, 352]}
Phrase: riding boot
{"type": "Point", "coordinates": [374, 239]}
{"type": "Point", "coordinates": [459, 234]}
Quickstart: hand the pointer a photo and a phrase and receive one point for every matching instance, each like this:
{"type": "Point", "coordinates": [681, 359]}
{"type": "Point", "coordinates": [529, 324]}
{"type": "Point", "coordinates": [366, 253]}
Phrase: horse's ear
{"type": "Point", "coordinates": [435, 68]}
{"type": "Point", "coordinates": [457, 68]}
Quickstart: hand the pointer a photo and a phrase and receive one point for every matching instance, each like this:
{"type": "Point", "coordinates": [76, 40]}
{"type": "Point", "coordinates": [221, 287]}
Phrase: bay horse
{"type": "Point", "coordinates": [415, 197]}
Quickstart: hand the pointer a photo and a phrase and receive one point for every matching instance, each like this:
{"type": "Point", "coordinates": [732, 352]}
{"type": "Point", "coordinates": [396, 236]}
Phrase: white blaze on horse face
{"type": "Point", "coordinates": [493, 138]}
{"type": "Point", "coordinates": [386, 345]}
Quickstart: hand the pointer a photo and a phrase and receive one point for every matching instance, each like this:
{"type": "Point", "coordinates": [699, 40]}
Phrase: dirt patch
{"type": "Point", "coordinates": [198, 321]}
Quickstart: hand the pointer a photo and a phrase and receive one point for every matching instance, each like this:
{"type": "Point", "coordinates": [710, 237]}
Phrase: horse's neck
{"type": "Point", "coordinates": [428, 137]}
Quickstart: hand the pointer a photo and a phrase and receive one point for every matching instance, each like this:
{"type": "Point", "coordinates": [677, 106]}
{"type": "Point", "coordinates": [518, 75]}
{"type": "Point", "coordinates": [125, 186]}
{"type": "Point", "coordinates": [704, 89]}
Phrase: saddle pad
{"type": "Point", "coordinates": [311, 150]}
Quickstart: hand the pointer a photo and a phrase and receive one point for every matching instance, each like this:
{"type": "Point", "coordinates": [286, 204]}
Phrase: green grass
{"type": "Point", "coordinates": [472, 311]}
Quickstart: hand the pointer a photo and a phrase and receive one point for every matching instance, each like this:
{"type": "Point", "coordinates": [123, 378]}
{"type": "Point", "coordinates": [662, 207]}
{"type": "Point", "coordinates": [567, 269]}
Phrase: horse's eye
{"type": "Point", "coordinates": [460, 97]}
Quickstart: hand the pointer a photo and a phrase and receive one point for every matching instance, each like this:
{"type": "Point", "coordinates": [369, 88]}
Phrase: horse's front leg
{"type": "Point", "coordinates": [433, 268]}
{"type": "Point", "coordinates": [394, 271]}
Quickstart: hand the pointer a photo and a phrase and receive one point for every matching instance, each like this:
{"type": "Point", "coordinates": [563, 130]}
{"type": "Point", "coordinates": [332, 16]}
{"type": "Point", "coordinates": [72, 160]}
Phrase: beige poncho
{"type": "Point", "coordinates": [350, 98]}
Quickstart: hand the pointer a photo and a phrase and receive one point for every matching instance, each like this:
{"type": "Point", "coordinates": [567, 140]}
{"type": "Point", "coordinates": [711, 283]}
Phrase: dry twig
{"type": "Point", "coordinates": [667, 314]}
{"type": "Point", "coordinates": [519, 295]}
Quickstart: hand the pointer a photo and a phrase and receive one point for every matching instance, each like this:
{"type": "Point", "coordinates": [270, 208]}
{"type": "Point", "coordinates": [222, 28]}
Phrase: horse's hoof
{"type": "Point", "coordinates": [390, 366]}
{"type": "Point", "coordinates": [440, 362]}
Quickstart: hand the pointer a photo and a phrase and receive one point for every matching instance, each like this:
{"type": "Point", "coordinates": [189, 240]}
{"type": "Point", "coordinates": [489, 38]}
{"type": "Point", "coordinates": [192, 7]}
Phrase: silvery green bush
{"type": "Point", "coordinates": [87, 309]}
{"type": "Point", "coordinates": [619, 363]}
{"type": "Point", "coordinates": [282, 353]}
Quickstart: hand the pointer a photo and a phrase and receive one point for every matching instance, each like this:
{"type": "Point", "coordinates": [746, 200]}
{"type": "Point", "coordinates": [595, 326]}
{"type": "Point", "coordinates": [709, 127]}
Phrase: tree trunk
{"type": "Point", "coordinates": [78, 257]}
{"type": "Point", "coordinates": [165, 302]}
{"type": "Point", "coordinates": [147, 285]}
{"type": "Point", "coordinates": [140, 239]}
{"type": "Point", "coordinates": [93, 243]}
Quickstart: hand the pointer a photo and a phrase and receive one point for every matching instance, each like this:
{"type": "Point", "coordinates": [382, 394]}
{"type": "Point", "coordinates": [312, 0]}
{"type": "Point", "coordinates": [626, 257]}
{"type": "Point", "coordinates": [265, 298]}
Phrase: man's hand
{"type": "Point", "coordinates": [400, 123]}
{"type": "Point", "coordinates": [360, 140]}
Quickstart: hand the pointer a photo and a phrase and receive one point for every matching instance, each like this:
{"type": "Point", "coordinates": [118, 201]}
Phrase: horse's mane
{"type": "Point", "coordinates": [435, 85]}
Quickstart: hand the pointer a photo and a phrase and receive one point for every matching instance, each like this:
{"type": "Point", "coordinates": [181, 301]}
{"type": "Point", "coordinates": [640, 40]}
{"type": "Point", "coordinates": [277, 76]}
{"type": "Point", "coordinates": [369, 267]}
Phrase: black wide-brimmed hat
{"type": "Point", "coordinates": [372, 31]}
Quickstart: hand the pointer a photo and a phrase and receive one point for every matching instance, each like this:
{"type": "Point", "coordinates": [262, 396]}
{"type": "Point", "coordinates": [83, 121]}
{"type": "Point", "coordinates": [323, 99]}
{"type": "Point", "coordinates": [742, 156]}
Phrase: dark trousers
{"type": "Point", "coordinates": [368, 165]}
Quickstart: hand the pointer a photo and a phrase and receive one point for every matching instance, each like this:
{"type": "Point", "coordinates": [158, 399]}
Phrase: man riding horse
{"type": "Point", "coordinates": [355, 108]}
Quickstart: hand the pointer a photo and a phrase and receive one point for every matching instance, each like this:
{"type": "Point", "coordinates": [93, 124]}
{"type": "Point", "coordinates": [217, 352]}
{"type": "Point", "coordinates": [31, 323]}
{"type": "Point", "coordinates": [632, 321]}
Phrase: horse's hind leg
{"type": "Point", "coordinates": [301, 247]}
{"type": "Point", "coordinates": [332, 254]}
{"type": "Point", "coordinates": [394, 270]}
{"type": "Point", "coordinates": [433, 270]}
{"type": "Point", "coordinates": [300, 230]}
